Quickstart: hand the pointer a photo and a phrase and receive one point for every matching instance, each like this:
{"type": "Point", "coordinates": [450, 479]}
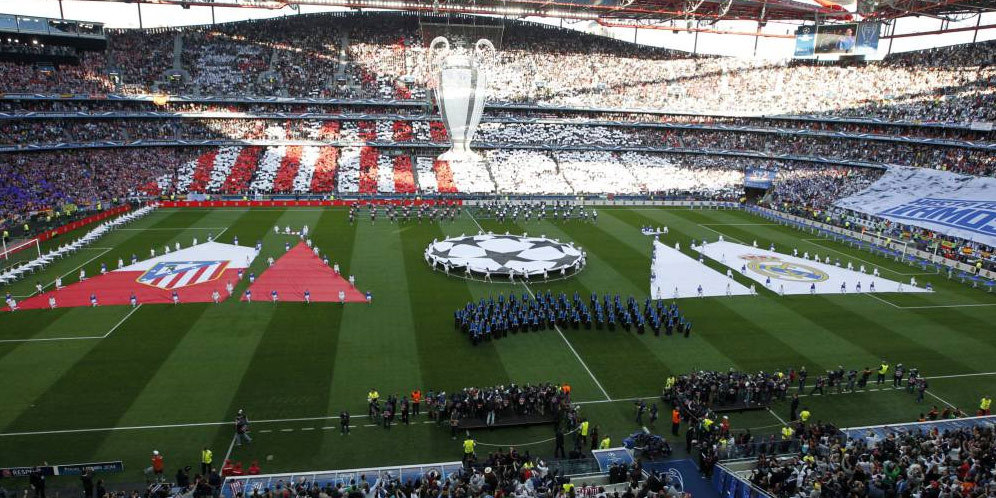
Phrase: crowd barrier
{"type": "Point", "coordinates": [730, 479]}
{"type": "Point", "coordinates": [881, 431]}
{"type": "Point", "coordinates": [729, 484]}
{"type": "Point", "coordinates": [247, 484]}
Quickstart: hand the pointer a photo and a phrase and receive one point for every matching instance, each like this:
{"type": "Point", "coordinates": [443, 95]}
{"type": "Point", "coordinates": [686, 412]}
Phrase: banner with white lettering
{"type": "Point", "coordinates": [958, 205]}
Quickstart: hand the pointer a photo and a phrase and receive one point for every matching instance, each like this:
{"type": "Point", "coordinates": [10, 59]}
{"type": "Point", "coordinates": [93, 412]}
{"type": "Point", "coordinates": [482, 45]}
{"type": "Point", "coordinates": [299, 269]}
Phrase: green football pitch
{"type": "Point", "coordinates": [112, 383]}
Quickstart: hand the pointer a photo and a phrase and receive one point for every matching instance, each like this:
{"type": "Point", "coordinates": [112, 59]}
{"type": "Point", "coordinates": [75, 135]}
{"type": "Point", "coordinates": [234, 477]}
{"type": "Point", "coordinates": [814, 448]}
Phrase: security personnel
{"type": "Point", "coordinates": [584, 431]}
{"type": "Point", "coordinates": [6, 235]}
{"type": "Point", "coordinates": [882, 370]}
{"type": "Point", "coordinates": [675, 421]}
{"type": "Point", "coordinates": [787, 433]}
{"type": "Point", "coordinates": [707, 424]}
{"type": "Point", "coordinates": [206, 456]}
{"type": "Point", "coordinates": [416, 401]}
{"type": "Point", "coordinates": [605, 444]}
{"type": "Point", "coordinates": [567, 487]}
{"type": "Point", "coordinates": [804, 415]}
{"type": "Point", "coordinates": [984, 405]}
{"type": "Point", "coordinates": [468, 449]}
{"type": "Point", "coordinates": [372, 398]}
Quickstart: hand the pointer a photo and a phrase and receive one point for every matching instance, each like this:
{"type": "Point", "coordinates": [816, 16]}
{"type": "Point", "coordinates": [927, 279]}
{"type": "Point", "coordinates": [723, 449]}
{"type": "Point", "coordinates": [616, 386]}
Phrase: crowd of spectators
{"type": "Point", "coordinates": [957, 462]}
{"type": "Point", "coordinates": [818, 188]}
{"type": "Point", "coordinates": [491, 404]}
{"type": "Point", "coordinates": [382, 55]}
{"type": "Point", "coordinates": [419, 114]}
{"type": "Point", "coordinates": [503, 472]}
{"type": "Point", "coordinates": [971, 252]}
{"type": "Point", "coordinates": [698, 393]}
{"type": "Point", "coordinates": [43, 182]}
{"type": "Point", "coordinates": [958, 159]}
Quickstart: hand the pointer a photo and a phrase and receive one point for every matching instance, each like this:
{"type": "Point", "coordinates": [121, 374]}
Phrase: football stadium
{"type": "Point", "coordinates": [372, 248]}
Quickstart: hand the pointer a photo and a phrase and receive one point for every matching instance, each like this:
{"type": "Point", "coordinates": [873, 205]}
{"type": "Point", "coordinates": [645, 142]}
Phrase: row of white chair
{"type": "Point", "coordinates": [44, 260]}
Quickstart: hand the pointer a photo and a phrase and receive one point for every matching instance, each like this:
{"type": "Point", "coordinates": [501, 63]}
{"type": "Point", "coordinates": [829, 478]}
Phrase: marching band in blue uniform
{"type": "Point", "coordinates": [495, 318]}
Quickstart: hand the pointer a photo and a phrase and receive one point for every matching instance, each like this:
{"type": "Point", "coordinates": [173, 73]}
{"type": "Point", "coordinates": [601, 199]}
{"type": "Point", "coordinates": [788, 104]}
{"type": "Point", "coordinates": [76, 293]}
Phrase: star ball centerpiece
{"type": "Point", "coordinates": [492, 255]}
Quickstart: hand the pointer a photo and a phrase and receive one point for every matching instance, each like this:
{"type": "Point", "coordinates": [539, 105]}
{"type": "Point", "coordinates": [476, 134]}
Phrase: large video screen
{"type": "Point", "coordinates": [837, 39]}
{"type": "Point", "coordinates": [759, 178]}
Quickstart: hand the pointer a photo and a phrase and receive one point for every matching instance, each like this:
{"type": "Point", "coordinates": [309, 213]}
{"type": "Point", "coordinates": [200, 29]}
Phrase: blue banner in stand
{"type": "Point", "coordinates": [74, 469]}
{"type": "Point", "coordinates": [612, 456]}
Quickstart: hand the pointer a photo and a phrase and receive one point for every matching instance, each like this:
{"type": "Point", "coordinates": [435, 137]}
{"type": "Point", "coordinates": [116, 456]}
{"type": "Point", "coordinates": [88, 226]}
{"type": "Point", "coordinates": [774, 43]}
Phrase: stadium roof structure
{"type": "Point", "coordinates": [647, 10]}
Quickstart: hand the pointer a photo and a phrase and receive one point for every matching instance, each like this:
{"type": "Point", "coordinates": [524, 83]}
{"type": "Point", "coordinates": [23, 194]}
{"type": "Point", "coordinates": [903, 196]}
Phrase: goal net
{"type": "Point", "coordinates": [19, 251]}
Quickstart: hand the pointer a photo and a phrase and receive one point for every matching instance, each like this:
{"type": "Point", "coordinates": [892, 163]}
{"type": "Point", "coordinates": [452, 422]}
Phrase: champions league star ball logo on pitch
{"type": "Point", "coordinates": [504, 254]}
{"type": "Point", "coordinates": [774, 267]}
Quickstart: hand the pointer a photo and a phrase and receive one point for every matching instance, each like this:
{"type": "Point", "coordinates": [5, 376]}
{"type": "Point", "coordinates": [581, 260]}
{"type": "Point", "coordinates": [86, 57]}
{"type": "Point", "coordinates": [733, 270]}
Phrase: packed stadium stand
{"type": "Point", "coordinates": [196, 106]}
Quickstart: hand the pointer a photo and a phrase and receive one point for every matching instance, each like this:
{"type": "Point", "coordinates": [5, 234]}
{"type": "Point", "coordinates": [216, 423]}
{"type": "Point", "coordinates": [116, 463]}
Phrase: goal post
{"type": "Point", "coordinates": [18, 251]}
{"type": "Point", "coordinates": [898, 245]}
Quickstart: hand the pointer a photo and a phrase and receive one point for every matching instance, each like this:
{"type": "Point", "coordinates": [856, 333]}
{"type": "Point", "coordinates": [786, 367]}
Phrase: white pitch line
{"type": "Point", "coordinates": [776, 416]}
{"type": "Point", "coordinates": [44, 339]}
{"type": "Point", "coordinates": [231, 446]}
{"type": "Point", "coordinates": [47, 339]}
{"type": "Point", "coordinates": [168, 228]}
{"type": "Point", "coordinates": [555, 327]}
{"type": "Point", "coordinates": [947, 306]}
{"type": "Point", "coordinates": [169, 426]}
{"type": "Point", "coordinates": [576, 355]}
{"type": "Point", "coordinates": [479, 227]}
{"type": "Point", "coordinates": [811, 241]}
{"type": "Point", "coordinates": [115, 327]}
{"type": "Point", "coordinates": [942, 400]}
{"type": "Point", "coordinates": [723, 234]}
{"type": "Point", "coordinates": [956, 376]}
{"type": "Point", "coordinates": [873, 296]}
{"type": "Point", "coordinates": [740, 224]}
{"type": "Point", "coordinates": [932, 306]}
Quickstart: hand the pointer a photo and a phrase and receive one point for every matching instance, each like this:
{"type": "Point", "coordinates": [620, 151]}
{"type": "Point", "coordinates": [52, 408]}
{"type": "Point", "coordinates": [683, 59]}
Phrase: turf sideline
{"type": "Point", "coordinates": [336, 417]}
{"type": "Point", "coordinates": [109, 332]}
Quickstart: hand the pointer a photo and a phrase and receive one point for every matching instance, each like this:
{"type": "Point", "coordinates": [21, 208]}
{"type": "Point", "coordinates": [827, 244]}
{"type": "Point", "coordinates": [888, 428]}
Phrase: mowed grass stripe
{"type": "Point", "coordinates": [217, 351]}
{"type": "Point", "coordinates": [759, 316]}
{"type": "Point", "coordinates": [446, 359]}
{"type": "Point", "coordinates": [101, 386]}
{"type": "Point", "coordinates": [625, 228]}
{"type": "Point", "coordinates": [26, 324]}
{"type": "Point", "coordinates": [528, 357]}
{"type": "Point", "coordinates": [878, 333]}
{"type": "Point", "coordinates": [29, 369]}
{"type": "Point", "coordinates": [377, 348]}
{"type": "Point", "coordinates": [618, 359]}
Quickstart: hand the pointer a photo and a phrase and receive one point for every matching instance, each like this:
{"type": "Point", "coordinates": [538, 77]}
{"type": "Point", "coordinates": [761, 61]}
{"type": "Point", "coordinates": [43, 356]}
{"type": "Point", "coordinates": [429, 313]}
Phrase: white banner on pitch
{"type": "Point", "coordinates": [674, 275]}
{"type": "Point", "coordinates": [792, 275]}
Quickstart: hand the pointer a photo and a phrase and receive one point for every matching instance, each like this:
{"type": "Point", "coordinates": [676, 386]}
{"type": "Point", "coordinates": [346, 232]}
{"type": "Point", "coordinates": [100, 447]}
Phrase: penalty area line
{"type": "Point", "coordinates": [723, 234]}
{"type": "Point", "coordinates": [931, 306]}
{"type": "Point", "coordinates": [90, 337]}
